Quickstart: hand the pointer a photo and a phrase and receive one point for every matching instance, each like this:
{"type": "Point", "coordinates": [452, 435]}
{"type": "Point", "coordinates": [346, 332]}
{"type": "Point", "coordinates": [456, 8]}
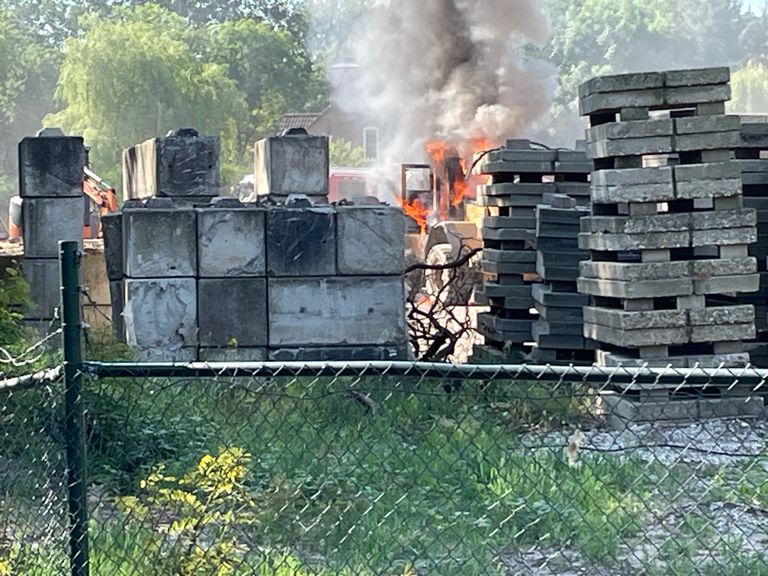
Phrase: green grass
{"type": "Point", "coordinates": [425, 478]}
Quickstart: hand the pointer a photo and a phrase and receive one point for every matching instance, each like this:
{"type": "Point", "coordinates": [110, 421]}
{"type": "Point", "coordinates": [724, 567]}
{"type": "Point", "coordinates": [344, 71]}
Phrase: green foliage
{"type": "Point", "coordinates": [749, 85]}
{"type": "Point", "coordinates": [594, 37]}
{"type": "Point", "coordinates": [136, 75]}
{"type": "Point", "coordinates": [271, 71]}
{"type": "Point", "coordinates": [144, 70]}
{"type": "Point", "coordinates": [14, 297]}
{"type": "Point", "coordinates": [342, 153]}
{"type": "Point", "coordinates": [210, 508]}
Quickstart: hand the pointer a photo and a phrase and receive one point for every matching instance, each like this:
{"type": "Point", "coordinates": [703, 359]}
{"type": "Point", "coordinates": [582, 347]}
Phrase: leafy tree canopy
{"type": "Point", "coordinates": [145, 70]}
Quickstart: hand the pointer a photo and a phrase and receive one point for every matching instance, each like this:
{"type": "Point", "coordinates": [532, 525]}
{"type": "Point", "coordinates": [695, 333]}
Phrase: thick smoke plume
{"type": "Point", "coordinates": [447, 70]}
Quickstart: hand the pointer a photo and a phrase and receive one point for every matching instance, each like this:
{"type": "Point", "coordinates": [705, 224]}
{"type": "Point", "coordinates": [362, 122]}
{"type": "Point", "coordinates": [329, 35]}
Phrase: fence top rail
{"type": "Point", "coordinates": [546, 373]}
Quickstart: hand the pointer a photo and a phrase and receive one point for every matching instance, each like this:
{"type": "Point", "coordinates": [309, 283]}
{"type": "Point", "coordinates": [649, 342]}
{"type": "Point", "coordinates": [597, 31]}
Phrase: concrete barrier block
{"type": "Point", "coordinates": [117, 299]}
{"type": "Point", "coordinates": [159, 243]}
{"type": "Point", "coordinates": [51, 166]}
{"type": "Point", "coordinates": [231, 242]}
{"type": "Point", "coordinates": [42, 275]}
{"type": "Point", "coordinates": [112, 230]}
{"type": "Point", "coordinates": [336, 311]}
{"type": "Point", "coordinates": [161, 313]}
{"type": "Point", "coordinates": [232, 312]}
{"type": "Point", "coordinates": [370, 240]}
{"type": "Point", "coordinates": [286, 165]}
{"type": "Point", "coordinates": [301, 242]}
{"type": "Point", "coordinates": [184, 164]}
{"type": "Point", "coordinates": [46, 221]}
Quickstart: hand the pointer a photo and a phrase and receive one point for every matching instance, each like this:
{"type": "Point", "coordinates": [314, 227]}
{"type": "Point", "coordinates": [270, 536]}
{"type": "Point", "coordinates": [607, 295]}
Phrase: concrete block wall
{"type": "Point", "coordinates": [233, 281]}
{"type": "Point", "coordinates": [558, 332]}
{"type": "Point", "coordinates": [668, 236]}
{"type": "Point", "coordinates": [50, 183]}
{"type": "Point", "coordinates": [519, 175]}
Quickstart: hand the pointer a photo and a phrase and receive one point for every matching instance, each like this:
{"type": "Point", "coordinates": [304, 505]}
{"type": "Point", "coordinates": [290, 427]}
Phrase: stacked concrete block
{"type": "Point", "coordinates": [233, 281]}
{"type": "Point", "coordinates": [50, 182]}
{"type": "Point", "coordinates": [668, 235]}
{"type": "Point", "coordinates": [293, 164]}
{"type": "Point", "coordinates": [519, 175]}
{"type": "Point", "coordinates": [232, 287]}
{"type": "Point", "coordinates": [160, 268]}
{"type": "Point", "coordinates": [558, 332]}
{"type": "Point", "coordinates": [182, 165]}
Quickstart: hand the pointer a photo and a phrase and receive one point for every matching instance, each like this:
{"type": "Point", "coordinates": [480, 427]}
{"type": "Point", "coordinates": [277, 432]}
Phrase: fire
{"type": "Point", "coordinates": [416, 210]}
{"type": "Point", "coordinates": [462, 182]}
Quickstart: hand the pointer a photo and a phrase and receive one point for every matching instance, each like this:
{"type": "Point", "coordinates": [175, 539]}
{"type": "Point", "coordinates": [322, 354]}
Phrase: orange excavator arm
{"type": "Point", "coordinates": [101, 194]}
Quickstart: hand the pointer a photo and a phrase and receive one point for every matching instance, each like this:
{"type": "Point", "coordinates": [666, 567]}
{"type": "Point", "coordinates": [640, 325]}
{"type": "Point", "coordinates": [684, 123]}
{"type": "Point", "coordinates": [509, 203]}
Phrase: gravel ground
{"type": "Point", "coordinates": [695, 524]}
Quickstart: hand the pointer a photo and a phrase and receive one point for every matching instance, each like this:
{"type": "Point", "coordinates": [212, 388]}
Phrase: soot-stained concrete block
{"type": "Point", "coordinates": [232, 312]}
{"type": "Point", "coordinates": [301, 242]}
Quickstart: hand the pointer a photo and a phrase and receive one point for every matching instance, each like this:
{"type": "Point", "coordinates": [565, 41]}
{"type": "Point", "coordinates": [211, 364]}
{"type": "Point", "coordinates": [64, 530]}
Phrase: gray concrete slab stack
{"type": "Point", "coordinates": [751, 156]}
{"type": "Point", "coordinates": [520, 174]}
{"type": "Point", "coordinates": [669, 236]}
{"type": "Point", "coordinates": [558, 332]}
{"type": "Point", "coordinates": [50, 183]}
{"type": "Point", "coordinates": [182, 165]}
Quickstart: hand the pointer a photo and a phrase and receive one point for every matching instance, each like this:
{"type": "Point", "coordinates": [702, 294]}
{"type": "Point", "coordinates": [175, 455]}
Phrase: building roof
{"type": "Point", "coordinates": [298, 120]}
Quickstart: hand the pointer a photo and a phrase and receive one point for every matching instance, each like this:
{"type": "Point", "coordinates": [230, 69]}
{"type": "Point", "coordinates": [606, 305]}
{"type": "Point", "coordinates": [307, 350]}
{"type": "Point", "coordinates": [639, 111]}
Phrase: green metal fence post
{"type": "Point", "coordinates": [69, 258]}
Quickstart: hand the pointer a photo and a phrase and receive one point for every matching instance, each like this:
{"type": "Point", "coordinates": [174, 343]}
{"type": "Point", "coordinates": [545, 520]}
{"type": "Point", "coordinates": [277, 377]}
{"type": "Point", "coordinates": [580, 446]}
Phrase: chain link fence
{"type": "Point", "coordinates": [406, 468]}
{"type": "Point", "coordinates": [386, 469]}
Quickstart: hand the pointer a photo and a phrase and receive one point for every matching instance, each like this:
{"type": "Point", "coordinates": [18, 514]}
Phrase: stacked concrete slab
{"type": "Point", "coordinates": [558, 332]}
{"type": "Point", "coordinates": [520, 174]}
{"type": "Point", "coordinates": [50, 182]}
{"type": "Point", "coordinates": [182, 165]}
{"type": "Point", "coordinates": [668, 235]}
{"type": "Point", "coordinates": [751, 157]}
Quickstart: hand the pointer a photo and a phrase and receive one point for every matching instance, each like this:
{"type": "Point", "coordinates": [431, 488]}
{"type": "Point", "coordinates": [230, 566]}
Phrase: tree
{"type": "Point", "coordinates": [28, 71]}
{"type": "Point", "coordinates": [136, 75]}
{"type": "Point", "coordinates": [57, 20]}
{"type": "Point", "coordinates": [271, 70]}
{"type": "Point", "coordinates": [749, 85]}
{"type": "Point", "coordinates": [343, 153]}
{"type": "Point", "coordinates": [331, 24]}
{"type": "Point", "coordinates": [595, 37]}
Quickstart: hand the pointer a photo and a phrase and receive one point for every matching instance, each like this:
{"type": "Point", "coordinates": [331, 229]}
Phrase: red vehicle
{"type": "Point", "coordinates": [350, 183]}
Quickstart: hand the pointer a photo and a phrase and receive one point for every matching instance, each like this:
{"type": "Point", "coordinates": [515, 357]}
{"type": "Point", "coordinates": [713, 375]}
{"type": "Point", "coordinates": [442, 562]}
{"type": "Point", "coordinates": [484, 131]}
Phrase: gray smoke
{"type": "Point", "coordinates": [447, 69]}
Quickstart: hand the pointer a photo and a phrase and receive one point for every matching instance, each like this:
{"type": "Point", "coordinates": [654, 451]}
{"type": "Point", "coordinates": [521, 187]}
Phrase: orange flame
{"type": "Point", "coordinates": [416, 210]}
{"type": "Point", "coordinates": [464, 183]}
